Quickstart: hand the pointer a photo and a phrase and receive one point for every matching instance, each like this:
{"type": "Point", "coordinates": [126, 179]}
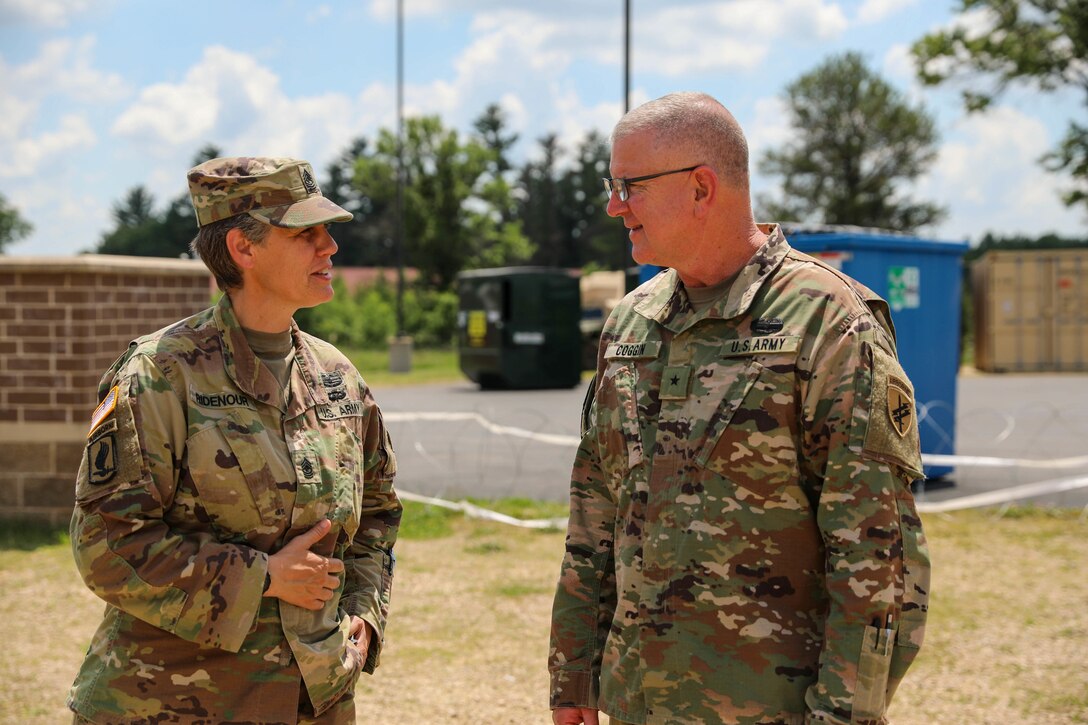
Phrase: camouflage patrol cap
{"type": "Point", "coordinates": [278, 191]}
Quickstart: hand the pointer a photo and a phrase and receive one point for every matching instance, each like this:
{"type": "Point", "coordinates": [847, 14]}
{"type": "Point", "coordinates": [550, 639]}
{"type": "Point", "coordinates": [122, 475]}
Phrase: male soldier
{"type": "Point", "coordinates": [743, 546]}
{"type": "Point", "coordinates": [235, 506]}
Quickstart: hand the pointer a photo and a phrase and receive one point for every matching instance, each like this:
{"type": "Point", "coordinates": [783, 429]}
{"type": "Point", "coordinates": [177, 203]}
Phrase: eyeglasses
{"type": "Point", "coordinates": [619, 186]}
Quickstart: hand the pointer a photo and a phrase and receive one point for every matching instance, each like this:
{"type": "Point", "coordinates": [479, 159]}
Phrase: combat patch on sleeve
{"type": "Point", "coordinates": [102, 459]}
{"type": "Point", "coordinates": [892, 432]}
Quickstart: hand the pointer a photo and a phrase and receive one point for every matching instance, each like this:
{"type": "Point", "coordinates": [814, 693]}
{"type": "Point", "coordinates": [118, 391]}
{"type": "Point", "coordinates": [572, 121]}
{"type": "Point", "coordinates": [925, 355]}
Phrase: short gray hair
{"type": "Point", "coordinates": [210, 245]}
{"type": "Point", "coordinates": [696, 123]}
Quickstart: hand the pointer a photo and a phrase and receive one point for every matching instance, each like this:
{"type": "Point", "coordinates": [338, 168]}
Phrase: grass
{"type": "Point", "coordinates": [467, 638]}
{"type": "Point", "coordinates": [428, 366]}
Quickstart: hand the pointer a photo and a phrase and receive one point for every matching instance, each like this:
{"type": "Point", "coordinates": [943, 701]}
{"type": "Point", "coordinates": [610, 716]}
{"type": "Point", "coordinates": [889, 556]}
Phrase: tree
{"type": "Point", "coordinates": [448, 224]}
{"type": "Point", "coordinates": [599, 239]}
{"type": "Point", "coordinates": [367, 240]}
{"type": "Point", "coordinates": [495, 188]}
{"type": "Point", "coordinates": [563, 210]}
{"type": "Point", "coordinates": [12, 226]}
{"type": "Point", "coordinates": [1041, 43]}
{"type": "Point", "coordinates": [140, 231]}
{"type": "Point", "coordinates": [857, 142]}
{"type": "Point", "coordinates": [538, 208]}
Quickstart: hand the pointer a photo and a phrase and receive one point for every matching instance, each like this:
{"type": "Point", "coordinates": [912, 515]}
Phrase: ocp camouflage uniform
{"type": "Point", "coordinates": [743, 546]}
{"type": "Point", "coordinates": [198, 466]}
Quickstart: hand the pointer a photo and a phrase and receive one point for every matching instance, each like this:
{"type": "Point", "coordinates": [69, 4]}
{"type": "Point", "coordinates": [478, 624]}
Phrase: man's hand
{"type": "Point", "coordinates": [301, 577]}
{"type": "Point", "coordinates": [574, 716]}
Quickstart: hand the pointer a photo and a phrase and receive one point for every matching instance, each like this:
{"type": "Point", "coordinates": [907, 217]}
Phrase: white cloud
{"type": "Point", "coordinates": [51, 13]}
{"type": "Point", "coordinates": [989, 174]}
{"type": "Point", "coordinates": [62, 69]}
{"type": "Point", "coordinates": [874, 11]}
{"type": "Point", "coordinates": [527, 53]}
{"type": "Point", "coordinates": [29, 153]}
{"type": "Point", "coordinates": [230, 98]}
{"type": "Point", "coordinates": [318, 13]}
{"type": "Point", "coordinates": [898, 64]}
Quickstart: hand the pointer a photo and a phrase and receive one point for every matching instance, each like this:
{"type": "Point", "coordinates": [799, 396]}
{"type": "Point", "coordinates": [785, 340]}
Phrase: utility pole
{"type": "Point", "coordinates": [400, 168]}
{"type": "Point", "coordinates": [626, 55]}
{"type": "Point", "coordinates": [624, 242]}
{"type": "Point", "coordinates": [400, 347]}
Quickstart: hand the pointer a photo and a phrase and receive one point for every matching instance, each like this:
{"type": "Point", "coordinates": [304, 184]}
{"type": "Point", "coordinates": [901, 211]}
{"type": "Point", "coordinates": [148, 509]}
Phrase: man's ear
{"type": "Point", "coordinates": [241, 248]}
{"type": "Point", "coordinates": [705, 188]}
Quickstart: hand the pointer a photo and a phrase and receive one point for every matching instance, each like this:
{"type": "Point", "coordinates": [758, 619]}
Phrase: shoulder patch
{"type": "Point", "coordinates": [891, 434]}
{"type": "Point", "coordinates": [900, 406]}
{"type": "Point", "coordinates": [104, 409]}
{"type": "Point", "coordinates": [102, 459]}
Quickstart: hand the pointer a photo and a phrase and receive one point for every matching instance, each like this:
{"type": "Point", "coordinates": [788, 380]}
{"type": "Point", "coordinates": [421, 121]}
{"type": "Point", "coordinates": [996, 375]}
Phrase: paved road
{"type": "Point", "coordinates": [1006, 416]}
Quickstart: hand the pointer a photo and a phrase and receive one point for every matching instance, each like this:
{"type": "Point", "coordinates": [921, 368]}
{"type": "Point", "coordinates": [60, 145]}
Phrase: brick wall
{"type": "Point", "coordinates": [63, 321]}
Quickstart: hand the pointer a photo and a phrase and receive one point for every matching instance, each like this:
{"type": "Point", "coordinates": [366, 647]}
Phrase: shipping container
{"type": "Point", "coordinates": [1031, 310]}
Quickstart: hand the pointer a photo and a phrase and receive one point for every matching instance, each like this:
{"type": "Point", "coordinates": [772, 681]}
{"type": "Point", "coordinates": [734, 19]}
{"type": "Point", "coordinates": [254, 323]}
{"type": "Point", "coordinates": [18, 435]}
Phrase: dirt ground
{"type": "Point", "coordinates": [468, 633]}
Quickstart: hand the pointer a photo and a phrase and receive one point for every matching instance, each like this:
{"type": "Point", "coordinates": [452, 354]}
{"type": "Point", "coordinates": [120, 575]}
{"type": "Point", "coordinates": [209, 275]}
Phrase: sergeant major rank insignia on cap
{"type": "Point", "coordinates": [308, 182]}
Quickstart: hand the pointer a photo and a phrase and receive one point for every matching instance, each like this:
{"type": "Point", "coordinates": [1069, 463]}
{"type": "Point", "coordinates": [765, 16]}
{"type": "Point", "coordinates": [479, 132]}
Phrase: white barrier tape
{"type": "Point", "coordinates": [482, 513]}
{"type": "Point", "coordinates": [992, 498]}
{"type": "Point", "coordinates": [938, 459]}
{"type": "Point", "coordinates": [1005, 495]}
{"type": "Point", "coordinates": [551, 438]}
{"type": "Point", "coordinates": [929, 459]}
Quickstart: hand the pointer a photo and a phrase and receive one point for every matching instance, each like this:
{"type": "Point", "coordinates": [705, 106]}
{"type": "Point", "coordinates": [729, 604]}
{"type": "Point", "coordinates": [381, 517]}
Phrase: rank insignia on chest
{"type": "Point", "coordinates": [674, 382]}
{"type": "Point", "coordinates": [900, 406]}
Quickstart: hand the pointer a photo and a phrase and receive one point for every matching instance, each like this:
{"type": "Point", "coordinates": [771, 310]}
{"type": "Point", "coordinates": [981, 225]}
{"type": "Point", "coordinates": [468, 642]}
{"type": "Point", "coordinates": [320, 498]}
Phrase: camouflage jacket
{"type": "Point", "coordinates": [743, 545]}
{"type": "Point", "coordinates": [196, 469]}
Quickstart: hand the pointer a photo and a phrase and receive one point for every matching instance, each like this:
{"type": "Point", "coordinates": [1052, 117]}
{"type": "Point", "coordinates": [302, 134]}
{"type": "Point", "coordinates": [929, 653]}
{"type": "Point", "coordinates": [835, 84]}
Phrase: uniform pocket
{"type": "Point", "coordinates": [724, 390]}
{"type": "Point", "coordinates": [619, 432]}
{"type": "Point", "coordinates": [870, 691]}
{"type": "Point", "coordinates": [349, 482]}
{"type": "Point", "coordinates": [908, 641]}
{"type": "Point", "coordinates": [232, 479]}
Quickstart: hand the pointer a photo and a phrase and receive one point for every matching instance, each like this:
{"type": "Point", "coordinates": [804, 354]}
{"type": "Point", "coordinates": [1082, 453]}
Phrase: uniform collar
{"type": "Point", "coordinates": [665, 301]}
{"type": "Point", "coordinates": [243, 367]}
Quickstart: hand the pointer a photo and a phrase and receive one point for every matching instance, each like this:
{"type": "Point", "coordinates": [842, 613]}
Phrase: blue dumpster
{"type": "Point", "coordinates": [921, 280]}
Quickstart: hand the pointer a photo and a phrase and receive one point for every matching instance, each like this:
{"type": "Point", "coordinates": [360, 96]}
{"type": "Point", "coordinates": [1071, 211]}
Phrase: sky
{"type": "Point", "coordinates": [99, 96]}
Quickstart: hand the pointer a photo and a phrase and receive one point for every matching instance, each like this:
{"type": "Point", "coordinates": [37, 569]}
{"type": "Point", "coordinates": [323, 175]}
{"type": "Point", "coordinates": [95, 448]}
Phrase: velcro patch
{"type": "Point", "coordinates": [104, 409]}
{"type": "Point", "coordinates": [900, 406]}
{"type": "Point", "coordinates": [645, 349]}
{"type": "Point", "coordinates": [891, 433]}
{"type": "Point", "coordinates": [761, 345]}
{"type": "Point", "coordinates": [220, 399]}
{"type": "Point", "coordinates": [674, 382]}
{"type": "Point", "coordinates": [102, 459]}
{"type": "Point", "coordinates": [346, 409]}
